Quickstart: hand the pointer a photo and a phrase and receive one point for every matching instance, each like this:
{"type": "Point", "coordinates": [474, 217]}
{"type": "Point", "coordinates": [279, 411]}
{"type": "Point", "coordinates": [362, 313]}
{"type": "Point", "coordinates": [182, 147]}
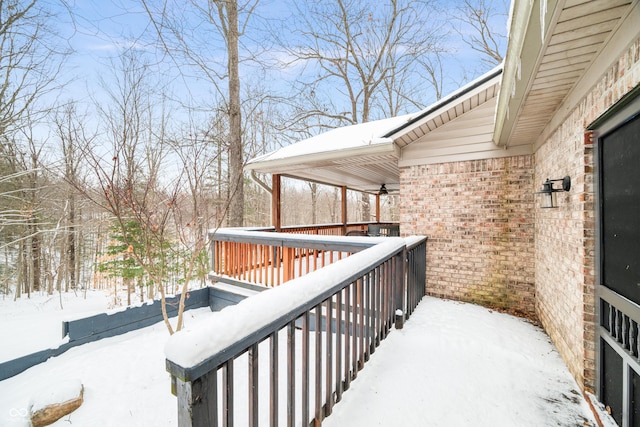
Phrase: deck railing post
{"type": "Point", "coordinates": [400, 286]}
{"type": "Point", "coordinates": [197, 401]}
{"type": "Point", "coordinates": [213, 255]}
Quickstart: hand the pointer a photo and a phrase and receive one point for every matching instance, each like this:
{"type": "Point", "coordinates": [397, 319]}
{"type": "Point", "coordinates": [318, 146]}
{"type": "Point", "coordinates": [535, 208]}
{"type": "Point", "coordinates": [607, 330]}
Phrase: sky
{"type": "Point", "coordinates": [99, 31]}
{"type": "Point", "coordinates": [453, 364]}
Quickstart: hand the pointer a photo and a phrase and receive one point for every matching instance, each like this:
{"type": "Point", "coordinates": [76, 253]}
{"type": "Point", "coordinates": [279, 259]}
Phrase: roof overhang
{"type": "Point", "coordinates": [356, 157]}
{"type": "Point", "coordinates": [555, 50]}
{"type": "Point", "coordinates": [365, 156]}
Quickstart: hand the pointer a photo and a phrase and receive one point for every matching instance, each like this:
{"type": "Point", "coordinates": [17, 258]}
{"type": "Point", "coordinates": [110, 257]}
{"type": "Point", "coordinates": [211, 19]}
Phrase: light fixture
{"type": "Point", "coordinates": [548, 191]}
{"type": "Point", "coordinates": [383, 190]}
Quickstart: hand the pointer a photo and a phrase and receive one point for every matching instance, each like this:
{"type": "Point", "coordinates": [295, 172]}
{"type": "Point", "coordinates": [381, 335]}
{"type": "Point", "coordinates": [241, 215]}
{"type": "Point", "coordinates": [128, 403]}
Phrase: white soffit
{"type": "Point", "coordinates": [357, 157]}
{"type": "Point", "coordinates": [552, 46]}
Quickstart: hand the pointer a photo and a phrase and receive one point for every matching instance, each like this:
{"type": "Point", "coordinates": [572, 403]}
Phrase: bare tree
{"type": "Point", "coordinates": [29, 60]}
{"type": "Point", "coordinates": [478, 22]}
{"type": "Point", "coordinates": [191, 47]}
{"type": "Point", "coordinates": [363, 60]}
{"type": "Point", "coordinates": [72, 135]}
{"type": "Point", "coordinates": [29, 67]}
{"type": "Point", "coordinates": [158, 217]}
{"type": "Point", "coordinates": [351, 49]}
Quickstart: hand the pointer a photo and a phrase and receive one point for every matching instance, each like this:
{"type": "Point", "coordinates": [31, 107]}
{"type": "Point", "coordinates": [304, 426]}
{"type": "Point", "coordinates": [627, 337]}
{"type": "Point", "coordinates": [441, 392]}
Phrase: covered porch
{"type": "Point", "coordinates": [466, 171]}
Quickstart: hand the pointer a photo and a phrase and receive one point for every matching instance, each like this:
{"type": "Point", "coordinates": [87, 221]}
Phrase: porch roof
{"type": "Point", "coordinates": [364, 156]}
{"type": "Point", "coordinates": [556, 53]}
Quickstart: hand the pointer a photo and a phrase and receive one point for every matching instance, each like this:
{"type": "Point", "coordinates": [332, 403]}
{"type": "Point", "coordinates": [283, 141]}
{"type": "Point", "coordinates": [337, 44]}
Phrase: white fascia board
{"type": "Point", "coordinates": [519, 21]}
{"type": "Point", "coordinates": [381, 146]}
{"type": "Point", "coordinates": [531, 29]}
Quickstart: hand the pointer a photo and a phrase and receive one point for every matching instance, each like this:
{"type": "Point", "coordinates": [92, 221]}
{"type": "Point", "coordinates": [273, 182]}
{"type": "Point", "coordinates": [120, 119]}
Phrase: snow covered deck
{"type": "Point", "coordinates": [452, 364]}
{"type": "Point", "coordinates": [456, 364]}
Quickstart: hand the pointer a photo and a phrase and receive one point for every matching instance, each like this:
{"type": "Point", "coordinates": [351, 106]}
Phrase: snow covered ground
{"type": "Point", "coordinates": [34, 324]}
{"type": "Point", "coordinates": [453, 364]}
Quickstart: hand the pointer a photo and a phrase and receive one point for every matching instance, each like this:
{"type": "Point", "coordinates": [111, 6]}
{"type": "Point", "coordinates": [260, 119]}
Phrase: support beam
{"type": "Point", "coordinates": [377, 207]}
{"type": "Point", "coordinates": [275, 202]}
{"type": "Point", "coordinates": [344, 209]}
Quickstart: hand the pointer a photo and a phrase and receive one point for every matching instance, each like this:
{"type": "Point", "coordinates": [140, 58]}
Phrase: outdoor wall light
{"type": "Point", "coordinates": [383, 190]}
{"type": "Point", "coordinates": [549, 191]}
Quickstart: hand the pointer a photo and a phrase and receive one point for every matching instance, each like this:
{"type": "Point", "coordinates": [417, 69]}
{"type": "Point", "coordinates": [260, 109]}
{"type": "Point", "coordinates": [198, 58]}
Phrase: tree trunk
{"type": "Point", "coordinates": [236, 208]}
{"type": "Point", "coordinates": [71, 245]}
{"type": "Point", "coordinates": [314, 203]}
{"type": "Point", "coordinates": [366, 208]}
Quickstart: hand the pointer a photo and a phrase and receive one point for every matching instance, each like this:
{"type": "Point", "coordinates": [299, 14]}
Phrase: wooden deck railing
{"type": "Point", "coordinates": [269, 261]}
{"type": "Point", "coordinates": [289, 354]}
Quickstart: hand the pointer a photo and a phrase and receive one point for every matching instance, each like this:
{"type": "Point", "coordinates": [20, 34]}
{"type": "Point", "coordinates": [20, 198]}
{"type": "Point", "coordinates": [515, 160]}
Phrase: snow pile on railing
{"type": "Point", "coordinates": [190, 347]}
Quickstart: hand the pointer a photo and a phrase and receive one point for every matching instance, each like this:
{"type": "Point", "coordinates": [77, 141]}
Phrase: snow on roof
{"type": "Point", "coordinates": [343, 138]}
{"type": "Point", "coordinates": [370, 134]}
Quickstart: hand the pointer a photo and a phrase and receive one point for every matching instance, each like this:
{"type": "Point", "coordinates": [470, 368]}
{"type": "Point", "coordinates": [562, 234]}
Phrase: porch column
{"type": "Point", "coordinates": [377, 207]}
{"type": "Point", "coordinates": [344, 209]}
{"type": "Point", "coordinates": [275, 202]}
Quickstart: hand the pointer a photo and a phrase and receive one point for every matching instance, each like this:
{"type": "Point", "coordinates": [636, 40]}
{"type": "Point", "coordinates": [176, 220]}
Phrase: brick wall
{"type": "Point", "coordinates": [479, 217]}
{"type": "Point", "coordinates": [489, 241]}
{"type": "Point", "coordinates": [565, 237]}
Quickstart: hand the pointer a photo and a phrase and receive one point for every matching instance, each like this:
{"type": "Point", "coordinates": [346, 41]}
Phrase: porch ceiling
{"type": "Point", "coordinates": [361, 172]}
{"type": "Point", "coordinates": [357, 157]}
{"type": "Point", "coordinates": [548, 58]}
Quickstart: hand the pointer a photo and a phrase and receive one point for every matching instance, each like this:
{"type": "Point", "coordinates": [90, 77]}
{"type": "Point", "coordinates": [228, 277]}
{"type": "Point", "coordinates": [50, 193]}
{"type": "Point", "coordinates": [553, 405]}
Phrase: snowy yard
{"type": "Point", "coordinates": [453, 364]}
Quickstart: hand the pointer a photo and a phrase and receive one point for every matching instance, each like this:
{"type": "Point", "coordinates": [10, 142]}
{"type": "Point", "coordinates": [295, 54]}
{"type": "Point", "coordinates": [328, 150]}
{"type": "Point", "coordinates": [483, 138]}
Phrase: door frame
{"type": "Point", "coordinates": [623, 111]}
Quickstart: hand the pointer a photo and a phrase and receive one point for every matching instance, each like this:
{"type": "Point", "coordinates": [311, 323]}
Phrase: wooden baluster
{"type": "Point", "coordinates": [328, 359]}
{"type": "Point", "coordinates": [305, 369]}
{"type": "Point", "coordinates": [273, 377]}
{"type": "Point", "coordinates": [361, 323]}
{"type": "Point", "coordinates": [368, 337]}
{"type": "Point", "coordinates": [339, 335]}
{"type": "Point", "coordinates": [315, 259]}
{"type": "Point", "coordinates": [348, 304]}
{"type": "Point", "coordinates": [254, 391]}
{"type": "Point", "coordinates": [377, 308]}
{"type": "Point", "coordinates": [260, 262]}
{"type": "Point", "coordinates": [227, 394]}
{"type": "Point", "coordinates": [275, 272]}
{"type": "Point", "coordinates": [318, 365]}
{"type": "Point", "coordinates": [243, 260]}
{"type": "Point", "coordinates": [308, 260]}
{"type": "Point", "coordinates": [287, 264]}
{"type": "Point", "coordinates": [291, 375]}
{"type": "Point", "coordinates": [270, 254]}
{"type": "Point", "coordinates": [227, 257]}
{"type": "Point", "coordinates": [254, 264]}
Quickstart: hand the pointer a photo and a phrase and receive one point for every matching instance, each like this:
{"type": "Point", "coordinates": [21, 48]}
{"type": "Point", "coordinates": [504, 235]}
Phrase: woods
{"type": "Point", "coordinates": [112, 171]}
